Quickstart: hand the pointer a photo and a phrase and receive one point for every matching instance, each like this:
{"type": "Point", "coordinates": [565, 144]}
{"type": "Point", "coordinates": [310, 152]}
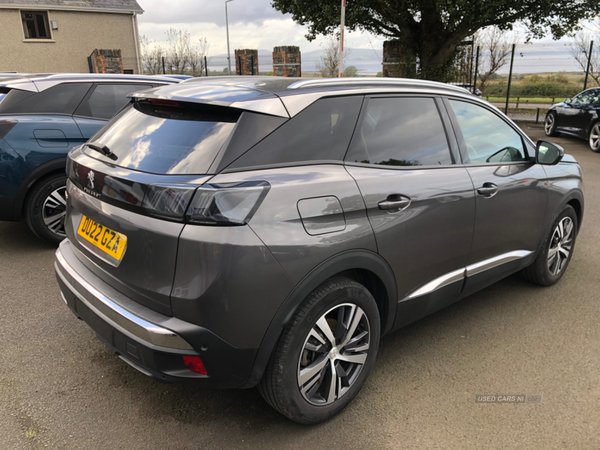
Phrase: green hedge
{"type": "Point", "coordinates": [534, 89]}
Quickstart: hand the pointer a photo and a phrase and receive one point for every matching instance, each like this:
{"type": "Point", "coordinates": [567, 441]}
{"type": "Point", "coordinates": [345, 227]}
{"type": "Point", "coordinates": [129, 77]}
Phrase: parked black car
{"type": "Point", "coordinates": [267, 231]}
{"type": "Point", "coordinates": [577, 116]}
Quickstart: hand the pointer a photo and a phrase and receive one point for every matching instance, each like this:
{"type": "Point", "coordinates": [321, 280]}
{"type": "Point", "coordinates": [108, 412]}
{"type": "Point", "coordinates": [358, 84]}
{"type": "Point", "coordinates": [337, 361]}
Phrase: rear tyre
{"type": "Point", "coordinates": [550, 125]}
{"type": "Point", "coordinates": [324, 354]}
{"type": "Point", "coordinates": [595, 138]}
{"type": "Point", "coordinates": [46, 207]}
{"type": "Point", "coordinates": [557, 250]}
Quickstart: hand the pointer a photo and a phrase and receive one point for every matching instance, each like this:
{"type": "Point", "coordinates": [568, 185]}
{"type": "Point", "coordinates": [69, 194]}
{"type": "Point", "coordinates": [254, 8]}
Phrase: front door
{"type": "Point", "coordinates": [510, 193]}
{"type": "Point", "coordinates": [419, 202]}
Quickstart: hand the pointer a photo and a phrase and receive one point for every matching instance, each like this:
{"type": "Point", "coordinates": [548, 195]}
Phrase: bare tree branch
{"type": "Point", "coordinates": [580, 50]}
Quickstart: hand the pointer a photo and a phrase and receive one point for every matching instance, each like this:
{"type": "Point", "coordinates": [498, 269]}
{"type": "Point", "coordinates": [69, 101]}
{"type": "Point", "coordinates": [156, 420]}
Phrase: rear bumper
{"type": "Point", "coordinates": [151, 342]}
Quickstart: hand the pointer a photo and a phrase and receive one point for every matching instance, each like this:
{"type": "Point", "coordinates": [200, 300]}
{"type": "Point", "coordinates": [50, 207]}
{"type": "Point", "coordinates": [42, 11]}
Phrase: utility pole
{"type": "Point", "coordinates": [587, 71]}
{"type": "Point", "coordinates": [341, 56]}
{"type": "Point", "coordinates": [512, 58]}
{"type": "Point", "coordinates": [227, 26]}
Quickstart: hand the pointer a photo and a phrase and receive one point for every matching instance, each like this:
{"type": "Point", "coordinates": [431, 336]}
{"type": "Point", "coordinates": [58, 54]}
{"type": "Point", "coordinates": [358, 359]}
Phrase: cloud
{"type": "Point", "coordinates": [208, 11]}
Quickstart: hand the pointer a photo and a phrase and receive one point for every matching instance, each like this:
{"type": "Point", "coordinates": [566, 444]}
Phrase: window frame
{"type": "Point", "coordinates": [95, 85]}
{"type": "Point", "coordinates": [453, 147]}
{"type": "Point", "coordinates": [45, 14]}
{"type": "Point", "coordinates": [528, 145]}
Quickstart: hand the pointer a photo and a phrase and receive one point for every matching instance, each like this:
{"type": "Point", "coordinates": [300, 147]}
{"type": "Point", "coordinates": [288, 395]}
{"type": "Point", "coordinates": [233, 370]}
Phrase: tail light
{"type": "Point", "coordinates": [168, 201]}
{"type": "Point", "coordinates": [223, 204]}
{"type": "Point", "coordinates": [231, 204]}
{"type": "Point", "coordinates": [6, 126]}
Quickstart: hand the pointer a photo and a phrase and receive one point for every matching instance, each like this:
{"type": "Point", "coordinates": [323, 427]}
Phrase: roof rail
{"type": "Point", "coordinates": [317, 82]}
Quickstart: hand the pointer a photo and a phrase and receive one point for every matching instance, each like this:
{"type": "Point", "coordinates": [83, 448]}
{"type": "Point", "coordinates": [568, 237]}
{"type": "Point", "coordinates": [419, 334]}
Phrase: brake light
{"type": "Point", "coordinates": [194, 364]}
{"type": "Point", "coordinates": [165, 103]}
{"type": "Point", "coordinates": [231, 204]}
{"type": "Point", "coordinates": [168, 201]}
{"type": "Point", "coordinates": [6, 126]}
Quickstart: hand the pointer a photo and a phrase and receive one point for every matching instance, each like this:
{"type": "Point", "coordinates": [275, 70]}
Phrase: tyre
{"type": "Point", "coordinates": [595, 138]}
{"type": "Point", "coordinates": [550, 125]}
{"type": "Point", "coordinates": [556, 252]}
{"type": "Point", "coordinates": [45, 208]}
{"type": "Point", "coordinates": [324, 354]}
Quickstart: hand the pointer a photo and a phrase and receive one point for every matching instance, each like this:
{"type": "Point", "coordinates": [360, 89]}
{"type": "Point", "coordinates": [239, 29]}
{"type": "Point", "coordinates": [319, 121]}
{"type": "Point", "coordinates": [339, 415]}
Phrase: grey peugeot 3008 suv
{"type": "Point", "coordinates": [240, 232]}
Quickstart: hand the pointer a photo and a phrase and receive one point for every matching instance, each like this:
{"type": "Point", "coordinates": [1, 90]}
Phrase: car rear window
{"type": "Point", "coordinates": [60, 99]}
{"type": "Point", "coordinates": [166, 137]}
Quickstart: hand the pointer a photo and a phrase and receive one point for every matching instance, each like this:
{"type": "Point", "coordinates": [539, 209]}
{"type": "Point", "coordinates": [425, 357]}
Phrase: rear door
{"type": "Point", "coordinates": [576, 116]}
{"type": "Point", "coordinates": [102, 102]}
{"type": "Point", "coordinates": [510, 192]}
{"type": "Point", "coordinates": [419, 202]}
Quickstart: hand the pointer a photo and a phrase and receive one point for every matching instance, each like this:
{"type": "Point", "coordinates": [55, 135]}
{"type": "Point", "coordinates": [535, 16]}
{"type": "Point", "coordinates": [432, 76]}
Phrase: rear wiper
{"type": "Point", "coordinates": [102, 149]}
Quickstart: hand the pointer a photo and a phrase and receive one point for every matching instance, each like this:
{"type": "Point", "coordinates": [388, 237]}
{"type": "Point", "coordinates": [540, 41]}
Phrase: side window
{"type": "Point", "coordinates": [586, 98]}
{"type": "Point", "coordinates": [60, 99]}
{"type": "Point", "coordinates": [401, 131]}
{"type": "Point", "coordinates": [107, 99]}
{"type": "Point", "coordinates": [489, 139]}
{"type": "Point", "coordinates": [320, 132]}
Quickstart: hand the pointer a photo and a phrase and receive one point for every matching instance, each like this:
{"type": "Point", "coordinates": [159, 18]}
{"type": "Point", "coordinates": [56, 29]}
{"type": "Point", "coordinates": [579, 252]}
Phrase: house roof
{"type": "Point", "coordinates": [124, 6]}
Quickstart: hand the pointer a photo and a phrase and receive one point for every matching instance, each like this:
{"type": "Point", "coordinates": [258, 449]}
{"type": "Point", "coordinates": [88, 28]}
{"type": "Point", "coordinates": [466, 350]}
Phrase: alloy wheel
{"type": "Point", "coordinates": [54, 211]}
{"type": "Point", "coordinates": [549, 124]}
{"type": "Point", "coordinates": [595, 138]}
{"type": "Point", "coordinates": [334, 354]}
{"type": "Point", "coordinates": [561, 245]}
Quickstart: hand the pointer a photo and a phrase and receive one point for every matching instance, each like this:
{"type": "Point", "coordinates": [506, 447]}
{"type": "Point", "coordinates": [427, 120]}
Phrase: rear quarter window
{"type": "Point", "coordinates": [320, 132]}
{"type": "Point", "coordinates": [60, 99]}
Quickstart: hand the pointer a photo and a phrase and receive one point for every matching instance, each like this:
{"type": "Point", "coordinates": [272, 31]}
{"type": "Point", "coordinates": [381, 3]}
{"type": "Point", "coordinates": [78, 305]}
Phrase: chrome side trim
{"type": "Point", "coordinates": [439, 282]}
{"type": "Point", "coordinates": [490, 263]}
{"type": "Point", "coordinates": [469, 271]}
{"type": "Point", "coordinates": [271, 106]}
{"type": "Point", "coordinates": [113, 313]}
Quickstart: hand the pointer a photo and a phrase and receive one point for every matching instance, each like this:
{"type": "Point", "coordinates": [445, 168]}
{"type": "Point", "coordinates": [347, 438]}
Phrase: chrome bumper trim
{"type": "Point", "coordinates": [114, 314]}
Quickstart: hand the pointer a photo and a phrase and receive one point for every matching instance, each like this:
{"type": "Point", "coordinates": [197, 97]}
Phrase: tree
{"type": "Point", "coordinates": [432, 30]}
{"type": "Point", "coordinates": [177, 50]}
{"type": "Point", "coordinates": [152, 54]}
{"type": "Point", "coordinates": [580, 50]}
{"type": "Point", "coordinates": [350, 71]}
{"type": "Point", "coordinates": [196, 57]}
{"type": "Point", "coordinates": [328, 63]}
{"type": "Point", "coordinates": [495, 48]}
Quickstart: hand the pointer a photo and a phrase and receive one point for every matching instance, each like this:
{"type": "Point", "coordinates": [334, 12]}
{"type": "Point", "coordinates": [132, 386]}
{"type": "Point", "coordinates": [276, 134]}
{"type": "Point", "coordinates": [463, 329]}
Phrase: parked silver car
{"type": "Point", "coordinates": [237, 232]}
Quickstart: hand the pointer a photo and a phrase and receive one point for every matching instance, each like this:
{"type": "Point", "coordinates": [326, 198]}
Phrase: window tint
{"type": "Point", "coordinates": [320, 132]}
{"type": "Point", "coordinates": [401, 131]}
{"type": "Point", "coordinates": [488, 137]}
{"type": "Point", "coordinates": [166, 139]}
{"type": "Point", "coordinates": [107, 99]}
{"type": "Point", "coordinates": [587, 98]}
{"type": "Point", "coordinates": [60, 99]}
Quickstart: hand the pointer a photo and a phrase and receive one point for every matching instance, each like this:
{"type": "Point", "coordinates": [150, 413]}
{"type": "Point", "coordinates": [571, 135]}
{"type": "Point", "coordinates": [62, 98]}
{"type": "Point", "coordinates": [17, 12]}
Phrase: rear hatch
{"type": "Point", "coordinates": [129, 189]}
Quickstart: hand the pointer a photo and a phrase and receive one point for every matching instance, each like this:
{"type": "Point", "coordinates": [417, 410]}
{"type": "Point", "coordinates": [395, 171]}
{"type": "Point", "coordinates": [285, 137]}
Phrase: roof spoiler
{"type": "Point", "coordinates": [21, 83]}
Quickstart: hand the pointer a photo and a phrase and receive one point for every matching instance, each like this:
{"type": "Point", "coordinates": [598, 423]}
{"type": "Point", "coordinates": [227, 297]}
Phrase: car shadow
{"type": "Point", "coordinates": [16, 236]}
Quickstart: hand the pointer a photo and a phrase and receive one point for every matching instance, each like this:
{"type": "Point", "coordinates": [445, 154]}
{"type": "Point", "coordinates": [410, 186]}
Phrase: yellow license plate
{"type": "Point", "coordinates": [102, 237]}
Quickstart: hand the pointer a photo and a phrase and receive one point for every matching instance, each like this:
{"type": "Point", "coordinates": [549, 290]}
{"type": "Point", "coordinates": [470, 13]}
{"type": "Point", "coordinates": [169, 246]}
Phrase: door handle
{"type": "Point", "coordinates": [394, 202]}
{"type": "Point", "coordinates": [488, 190]}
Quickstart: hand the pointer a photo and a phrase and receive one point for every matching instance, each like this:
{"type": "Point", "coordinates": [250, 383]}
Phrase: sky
{"type": "Point", "coordinates": [256, 24]}
{"type": "Point", "coordinates": [252, 24]}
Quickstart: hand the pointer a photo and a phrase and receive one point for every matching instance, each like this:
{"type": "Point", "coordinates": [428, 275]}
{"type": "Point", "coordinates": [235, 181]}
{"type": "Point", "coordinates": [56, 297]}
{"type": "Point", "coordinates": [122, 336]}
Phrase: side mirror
{"type": "Point", "coordinates": [548, 153]}
{"type": "Point", "coordinates": [568, 101]}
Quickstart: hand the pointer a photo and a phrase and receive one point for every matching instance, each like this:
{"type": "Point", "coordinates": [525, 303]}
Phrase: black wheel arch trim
{"type": "Point", "coordinates": [345, 261]}
{"type": "Point", "coordinates": [575, 195]}
{"type": "Point", "coordinates": [50, 167]}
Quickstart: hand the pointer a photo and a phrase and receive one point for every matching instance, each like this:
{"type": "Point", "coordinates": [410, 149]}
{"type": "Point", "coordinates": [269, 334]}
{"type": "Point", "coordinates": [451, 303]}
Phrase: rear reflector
{"type": "Point", "coordinates": [194, 364]}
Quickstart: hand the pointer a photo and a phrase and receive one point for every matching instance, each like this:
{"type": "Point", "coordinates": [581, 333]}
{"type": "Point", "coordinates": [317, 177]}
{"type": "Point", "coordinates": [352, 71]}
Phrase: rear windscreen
{"type": "Point", "coordinates": [166, 138]}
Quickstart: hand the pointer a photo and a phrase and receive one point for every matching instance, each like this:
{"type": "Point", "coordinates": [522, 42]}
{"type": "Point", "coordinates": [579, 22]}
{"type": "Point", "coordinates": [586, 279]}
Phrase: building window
{"type": "Point", "coordinates": [35, 24]}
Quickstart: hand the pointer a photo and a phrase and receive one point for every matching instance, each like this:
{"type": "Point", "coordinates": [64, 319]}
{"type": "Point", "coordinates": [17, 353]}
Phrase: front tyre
{"type": "Point", "coordinates": [550, 125]}
{"type": "Point", "coordinates": [46, 207]}
{"type": "Point", "coordinates": [324, 354]}
{"type": "Point", "coordinates": [595, 138]}
{"type": "Point", "coordinates": [557, 250]}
